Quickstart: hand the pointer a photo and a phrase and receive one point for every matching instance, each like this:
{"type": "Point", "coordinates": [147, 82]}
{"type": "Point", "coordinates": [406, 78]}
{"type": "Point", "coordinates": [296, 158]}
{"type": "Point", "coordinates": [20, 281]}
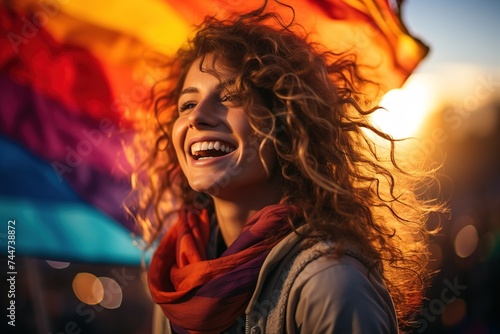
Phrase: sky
{"type": "Point", "coordinates": [457, 31]}
{"type": "Point", "coordinates": [463, 62]}
{"type": "Point", "coordinates": [463, 70]}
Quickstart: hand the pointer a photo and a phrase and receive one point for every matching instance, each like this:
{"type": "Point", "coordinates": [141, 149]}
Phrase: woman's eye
{"type": "Point", "coordinates": [187, 105]}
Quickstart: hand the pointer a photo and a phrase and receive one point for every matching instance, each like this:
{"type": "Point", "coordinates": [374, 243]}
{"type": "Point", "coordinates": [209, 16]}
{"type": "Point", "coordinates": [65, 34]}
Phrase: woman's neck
{"type": "Point", "coordinates": [231, 218]}
{"type": "Point", "coordinates": [233, 213]}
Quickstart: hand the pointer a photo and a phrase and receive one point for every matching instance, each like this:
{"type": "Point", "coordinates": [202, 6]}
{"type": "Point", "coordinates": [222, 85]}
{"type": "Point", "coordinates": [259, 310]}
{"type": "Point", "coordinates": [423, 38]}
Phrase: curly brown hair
{"type": "Point", "coordinates": [344, 188]}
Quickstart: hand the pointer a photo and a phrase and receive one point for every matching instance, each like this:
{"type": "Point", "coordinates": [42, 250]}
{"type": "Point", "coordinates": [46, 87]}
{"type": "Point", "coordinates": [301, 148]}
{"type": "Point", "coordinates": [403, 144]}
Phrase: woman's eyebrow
{"type": "Point", "coordinates": [220, 86]}
{"type": "Point", "coordinates": [189, 90]}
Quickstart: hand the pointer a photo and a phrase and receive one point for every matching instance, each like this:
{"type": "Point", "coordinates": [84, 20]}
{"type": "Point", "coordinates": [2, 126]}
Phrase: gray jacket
{"type": "Point", "coordinates": [308, 290]}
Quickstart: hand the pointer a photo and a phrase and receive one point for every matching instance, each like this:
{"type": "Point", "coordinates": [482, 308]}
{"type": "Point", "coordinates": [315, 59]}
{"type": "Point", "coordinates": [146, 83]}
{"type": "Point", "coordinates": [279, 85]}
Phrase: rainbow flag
{"type": "Point", "coordinates": [72, 77]}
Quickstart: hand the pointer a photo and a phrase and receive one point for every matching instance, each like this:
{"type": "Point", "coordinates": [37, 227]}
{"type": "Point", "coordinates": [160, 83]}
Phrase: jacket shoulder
{"type": "Point", "coordinates": [340, 295]}
{"type": "Point", "coordinates": [314, 291]}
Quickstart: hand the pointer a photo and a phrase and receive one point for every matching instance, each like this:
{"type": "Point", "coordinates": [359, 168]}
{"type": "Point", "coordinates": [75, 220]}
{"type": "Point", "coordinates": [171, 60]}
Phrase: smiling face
{"type": "Point", "coordinates": [217, 148]}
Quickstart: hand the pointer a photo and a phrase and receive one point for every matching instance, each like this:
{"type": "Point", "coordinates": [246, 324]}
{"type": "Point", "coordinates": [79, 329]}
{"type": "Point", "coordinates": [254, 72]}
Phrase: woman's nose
{"type": "Point", "coordinates": [204, 115]}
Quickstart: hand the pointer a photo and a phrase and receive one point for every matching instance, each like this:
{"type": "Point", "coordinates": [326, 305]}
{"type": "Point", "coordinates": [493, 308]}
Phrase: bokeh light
{"type": "Point", "coordinates": [466, 241]}
{"type": "Point", "coordinates": [58, 264]}
{"type": "Point", "coordinates": [113, 294]}
{"type": "Point", "coordinates": [88, 288]}
{"type": "Point", "coordinates": [486, 246]}
{"type": "Point", "coordinates": [454, 312]}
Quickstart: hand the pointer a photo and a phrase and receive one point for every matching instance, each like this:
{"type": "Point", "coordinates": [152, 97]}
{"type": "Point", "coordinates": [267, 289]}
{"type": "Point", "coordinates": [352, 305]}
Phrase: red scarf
{"type": "Point", "coordinates": [208, 296]}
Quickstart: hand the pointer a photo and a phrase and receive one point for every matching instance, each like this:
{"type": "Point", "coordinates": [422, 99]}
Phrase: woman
{"type": "Point", "coordinates": [281, 215]}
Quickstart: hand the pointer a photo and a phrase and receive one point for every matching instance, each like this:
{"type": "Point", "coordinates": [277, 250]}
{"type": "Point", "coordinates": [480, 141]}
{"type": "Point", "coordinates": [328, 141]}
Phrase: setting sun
{"type": "Point", "coordinates": [406, 108]}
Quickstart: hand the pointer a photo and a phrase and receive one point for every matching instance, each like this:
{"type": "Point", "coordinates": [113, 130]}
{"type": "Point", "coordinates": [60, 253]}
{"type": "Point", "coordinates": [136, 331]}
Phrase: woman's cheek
{"type": "Point", "coordinates": [178, 136]}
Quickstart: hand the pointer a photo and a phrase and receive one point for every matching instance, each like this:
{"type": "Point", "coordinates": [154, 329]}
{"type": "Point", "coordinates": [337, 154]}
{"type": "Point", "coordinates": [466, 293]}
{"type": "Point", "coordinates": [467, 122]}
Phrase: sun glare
{"type": "Point", "coordinates": [405, 109]}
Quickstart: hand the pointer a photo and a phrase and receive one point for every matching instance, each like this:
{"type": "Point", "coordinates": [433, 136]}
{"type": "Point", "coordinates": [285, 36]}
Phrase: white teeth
{"type": "Point", "coordinates": [210, 145]}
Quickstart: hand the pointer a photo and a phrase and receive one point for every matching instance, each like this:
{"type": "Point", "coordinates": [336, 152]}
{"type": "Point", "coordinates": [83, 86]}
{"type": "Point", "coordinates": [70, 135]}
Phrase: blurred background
{"type": "Point", "coordinates": [71, 82]}
{"type": "Point", "coordinates": [456, 93]}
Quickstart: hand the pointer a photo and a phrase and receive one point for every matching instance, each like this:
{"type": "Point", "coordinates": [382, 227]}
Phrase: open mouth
{"type": "Point", "coordinates": [210, 149]}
